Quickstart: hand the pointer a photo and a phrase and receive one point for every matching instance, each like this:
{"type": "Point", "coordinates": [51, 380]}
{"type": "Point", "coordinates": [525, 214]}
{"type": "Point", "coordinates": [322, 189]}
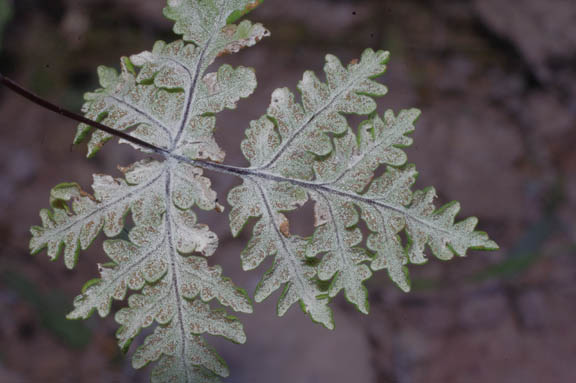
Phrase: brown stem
{"type": "Point", "coordinates": [17, 88]}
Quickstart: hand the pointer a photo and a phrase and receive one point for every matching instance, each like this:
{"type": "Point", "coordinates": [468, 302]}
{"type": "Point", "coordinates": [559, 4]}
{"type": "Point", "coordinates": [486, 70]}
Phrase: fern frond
{"type": "Point", "coordinates": [76, 217]}
{"type": "Point", "coordinates": [285, 144]}
{"type": "Point", "coordinates": [167, 98]}
{"type": "Point", "coordinates": [310, 150]}
{"type": "Point", "coordinates": [271, 237]}
{"type": "Point", "coordinates": [165, 102]}
{"type": "Point", "coordinates": [164, 95]}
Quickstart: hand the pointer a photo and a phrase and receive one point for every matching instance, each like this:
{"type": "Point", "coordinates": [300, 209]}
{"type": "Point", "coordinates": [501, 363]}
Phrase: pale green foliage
{"type": "Point", "coordinates": [307, 150]}
{"type": "Point", "coordinates": [298, 151]}
{"type": "Point", "coordinates": [166, 97]}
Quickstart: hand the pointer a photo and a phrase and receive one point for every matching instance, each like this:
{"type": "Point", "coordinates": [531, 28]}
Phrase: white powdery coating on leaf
{"type": "Point", "coordinates": [160, 94]}
{"type": "Point", "coordinates": [284, 143]}
{"type": "Point", "coordinates": [271, 237]}
{"type": "Point", "coordinates": [298, 151]}
{"type": "Point", "coordinates": [70, 230]}
{"type": "Point", "coordinates": [175, 300]}
{"type": "Point", "coordinates": [192, 237]}
{"type": "Point", "coordinates": [311, 147]}
{"type": "Point", "coordinates": [304, 128]}
{"type": "Point", "coordinates": [166, 98]}
{"type": "Point", "coordinates": [202, 22]}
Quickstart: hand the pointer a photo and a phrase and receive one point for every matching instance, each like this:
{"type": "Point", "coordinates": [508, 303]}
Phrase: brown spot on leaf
{"type": "Point", "coordinates": [320, 218]}
{"type": "Point", "coordinates": [86, 194]}
{"type": "Point", "coordinates": [251, 6]}
{"type": "Point", "coordinates": [285, 227]}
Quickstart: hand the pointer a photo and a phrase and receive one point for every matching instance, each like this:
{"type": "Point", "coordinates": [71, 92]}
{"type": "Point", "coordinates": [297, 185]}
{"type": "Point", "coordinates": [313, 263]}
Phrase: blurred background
{"type": "Point", "coordinates": [496, 82]}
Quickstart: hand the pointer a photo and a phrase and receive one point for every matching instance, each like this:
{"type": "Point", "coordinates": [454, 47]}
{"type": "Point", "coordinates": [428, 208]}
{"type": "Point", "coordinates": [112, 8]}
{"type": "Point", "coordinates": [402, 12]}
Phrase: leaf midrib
{"type": "Point", "coordinates": [194, 84]}
{"type": "Point", "coordinates": [286, 143]}
{"type": "Point", "coordinates": [293, 264]}
{"type": "Point", "coordinates": [318, 187]}
{"type": "Point", "coordinates": [103, 208]}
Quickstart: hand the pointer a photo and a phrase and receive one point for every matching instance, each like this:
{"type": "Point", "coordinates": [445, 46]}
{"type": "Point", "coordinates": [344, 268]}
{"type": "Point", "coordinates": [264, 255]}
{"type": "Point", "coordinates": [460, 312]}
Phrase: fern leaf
{"type": "Point", "coordinates": [145, 259]}
{"type": "Point", "coordinates": [167, 98]}
{"type": "Point", "coordinates": [303, 128]}
{"type": "Point", "coordinates": [284, 144]}
{"type": "Point", "coordinates": [76, 217]}
{"type": "Point", "coordinates": [344, 261]}
{"type": "Point", "coordinates": [299, 151]}
{"type": "Point", "coordinates": [174, 284]}
{"type": "Point", "coordinates": [310, 147]}
{"type": "Point", "coordinates": [177, 340]}
{"type": "Point", "coordinates": [388, 205]}
{"type": "Point", "coordinates": [208, 24]}
{"type": "Point", "coordinates": [170, 112]}
{"type": "Point", "coordinates": [271, 237]}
